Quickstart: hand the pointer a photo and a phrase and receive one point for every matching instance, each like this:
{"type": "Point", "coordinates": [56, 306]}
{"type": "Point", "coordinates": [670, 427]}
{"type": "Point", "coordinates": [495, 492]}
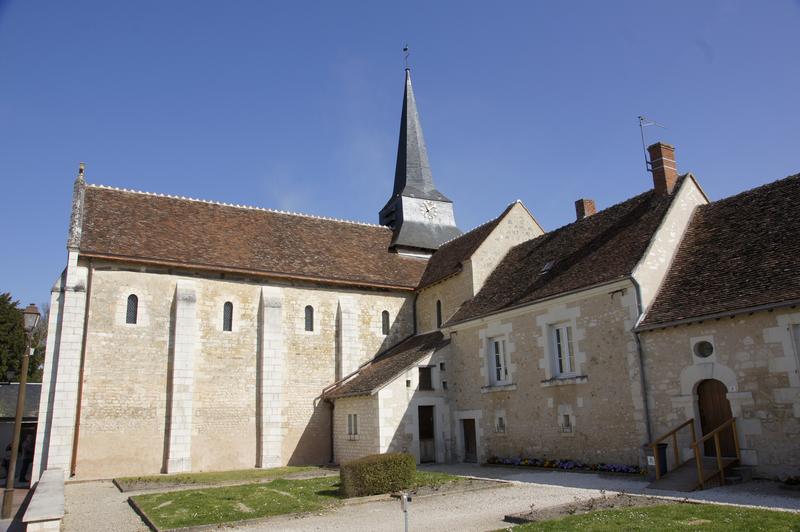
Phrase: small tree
{"type": "Point", "coordinates": [12, 335]}
{"type": "Point", "coordinates": [12, 340]}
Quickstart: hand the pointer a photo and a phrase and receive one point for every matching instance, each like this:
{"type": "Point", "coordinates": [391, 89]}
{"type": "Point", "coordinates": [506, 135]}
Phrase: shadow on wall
{"type": "Point", "coordinates": [314, 445]}
{"type": "Point", "coordinates": [170, 370]}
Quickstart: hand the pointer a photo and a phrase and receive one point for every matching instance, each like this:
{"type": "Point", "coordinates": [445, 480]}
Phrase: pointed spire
{"type": "Point", "coordinates": [412, 175]}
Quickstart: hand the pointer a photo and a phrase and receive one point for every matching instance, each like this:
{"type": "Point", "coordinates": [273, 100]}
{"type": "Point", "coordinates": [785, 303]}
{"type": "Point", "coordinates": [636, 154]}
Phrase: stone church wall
{"type": "Point", "coordinates": [126, 393]}
{"type": "Point", "coordinates": [603, 409]}
{"type": "Point", "coordinates": [755, 357]}
{"type": "Point", "coordinates": [346, 447]}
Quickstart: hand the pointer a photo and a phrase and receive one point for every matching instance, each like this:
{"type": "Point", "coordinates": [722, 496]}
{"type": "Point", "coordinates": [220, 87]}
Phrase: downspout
{"type": "Point", "coordinates": [640, 353]}
{"type": "Point", "coordinates": [74, 462]}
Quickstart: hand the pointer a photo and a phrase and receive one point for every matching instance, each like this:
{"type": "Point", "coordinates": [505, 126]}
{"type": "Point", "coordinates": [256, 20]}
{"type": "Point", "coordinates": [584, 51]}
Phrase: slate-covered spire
{"type": "Point", "coordinates": [420, 216]}
{"type": "Point", "coordinates": [412, 174]}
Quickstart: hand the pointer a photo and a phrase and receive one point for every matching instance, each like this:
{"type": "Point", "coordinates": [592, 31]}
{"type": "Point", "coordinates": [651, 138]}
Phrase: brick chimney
{"type": "Point", "coordinates": [583, 208]}
{"type": "Point", "coordinates": [665, 171]}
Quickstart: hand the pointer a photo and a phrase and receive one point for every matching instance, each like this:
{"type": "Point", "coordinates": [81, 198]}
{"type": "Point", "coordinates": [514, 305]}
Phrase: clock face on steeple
{"type": "Point", "coordinates": [429, 210]}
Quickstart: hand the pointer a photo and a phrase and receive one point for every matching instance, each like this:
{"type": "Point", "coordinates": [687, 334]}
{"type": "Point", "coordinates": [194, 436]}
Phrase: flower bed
{"type": "Point", "coordinates": [566, 465]}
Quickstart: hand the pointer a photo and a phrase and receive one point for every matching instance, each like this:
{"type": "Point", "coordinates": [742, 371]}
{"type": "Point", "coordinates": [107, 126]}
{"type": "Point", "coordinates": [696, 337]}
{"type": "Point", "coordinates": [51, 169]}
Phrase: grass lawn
{"type": "Point", "coordinates": [671, 517]}
{"type": "Point", "coordinates": [212, 477]}
{"type": "Point", "coordinates": [177, 509]}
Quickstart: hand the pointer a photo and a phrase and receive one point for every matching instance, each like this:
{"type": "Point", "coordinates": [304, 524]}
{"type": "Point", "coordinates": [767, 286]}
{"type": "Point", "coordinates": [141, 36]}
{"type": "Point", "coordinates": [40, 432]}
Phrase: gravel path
{"type": "Point", "coordinates": [99, 506]}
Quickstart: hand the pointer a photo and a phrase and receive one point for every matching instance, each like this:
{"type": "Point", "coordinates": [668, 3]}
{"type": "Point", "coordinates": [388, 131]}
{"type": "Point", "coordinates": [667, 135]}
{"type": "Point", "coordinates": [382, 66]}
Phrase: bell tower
{"type": "Point", "coordinates": [421, 217]}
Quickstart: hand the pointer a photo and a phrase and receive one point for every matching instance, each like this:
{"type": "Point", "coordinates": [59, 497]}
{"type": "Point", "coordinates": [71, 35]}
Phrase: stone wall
{"type": "Point", "coordinates": [604, 411]}
{"type": "Point", "coordinates": [755, 357]}
{"type": "Point", "coordinates": [346, 447]}
{"type": "Point", "coordinates": [141, 413]}
{"type": "Point", "coordinates": [517, 226]}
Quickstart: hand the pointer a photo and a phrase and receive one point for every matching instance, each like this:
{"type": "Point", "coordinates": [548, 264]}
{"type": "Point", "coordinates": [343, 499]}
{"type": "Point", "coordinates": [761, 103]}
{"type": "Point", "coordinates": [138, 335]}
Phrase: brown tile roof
{"type": "Point", "coordinates": [388, 365]}
{"type": "Point", "coordinates": [447, 260]}
{"type": "Point", "coordinates": [602, 248]}
{"type": "Point", "coordinates": [739, 252]}
{"type": "Point", "coordinates": [211, 236]}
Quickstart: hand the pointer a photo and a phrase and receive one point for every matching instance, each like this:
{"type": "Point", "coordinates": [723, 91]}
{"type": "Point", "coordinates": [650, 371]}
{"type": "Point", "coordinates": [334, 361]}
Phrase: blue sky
{"type": "Point", "coordinates": [296, 105]}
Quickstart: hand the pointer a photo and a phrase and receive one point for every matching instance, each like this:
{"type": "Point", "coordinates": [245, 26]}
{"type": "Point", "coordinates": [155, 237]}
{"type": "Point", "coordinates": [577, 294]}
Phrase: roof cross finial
{"type": "Point", "coordinates": [407, 53]}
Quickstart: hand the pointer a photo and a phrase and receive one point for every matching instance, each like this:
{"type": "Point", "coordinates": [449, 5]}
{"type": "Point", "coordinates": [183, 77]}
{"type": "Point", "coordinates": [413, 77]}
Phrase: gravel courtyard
{"type": "Point", "coordinates": [99, 506]}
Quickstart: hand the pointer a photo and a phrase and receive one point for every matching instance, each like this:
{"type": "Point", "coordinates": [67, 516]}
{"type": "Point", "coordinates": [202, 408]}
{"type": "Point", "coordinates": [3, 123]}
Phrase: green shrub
{"type": "Point", "coordinates": [378, 473]}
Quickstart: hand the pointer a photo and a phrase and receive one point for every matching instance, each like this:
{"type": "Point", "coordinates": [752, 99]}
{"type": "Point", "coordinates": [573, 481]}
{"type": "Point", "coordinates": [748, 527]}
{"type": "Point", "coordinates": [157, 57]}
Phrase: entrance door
{"type": "Point", "coordinates": [470, 446]}
{"type": "Point", "coordinates": [715, 409]}
{"type": "Point", "coordinates": [427, 443]}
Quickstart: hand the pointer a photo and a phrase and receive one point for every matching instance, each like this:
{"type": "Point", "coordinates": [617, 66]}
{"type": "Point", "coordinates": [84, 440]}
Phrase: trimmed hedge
{"type": "Point", "coordinates": [378, 473]}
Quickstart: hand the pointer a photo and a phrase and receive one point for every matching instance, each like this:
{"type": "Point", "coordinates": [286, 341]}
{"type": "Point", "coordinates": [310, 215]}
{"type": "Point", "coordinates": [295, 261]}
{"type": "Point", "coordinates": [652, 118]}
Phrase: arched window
{"type": "Point", "coordinates": [438, 313]}
{"type": "Point", "coordinates": [227, 316]}
{"type": "Point", "coordinates": [132, 311]}
{"type": "Point", "coordinates": [385, 322]}
{"type": "Point", "coordinates": [309, 318]}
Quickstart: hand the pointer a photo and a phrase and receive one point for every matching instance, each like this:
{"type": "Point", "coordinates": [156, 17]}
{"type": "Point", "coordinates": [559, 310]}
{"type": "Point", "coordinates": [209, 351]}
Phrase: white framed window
{"type": "Point", "coordinates": [566, 423]}
{"type": "Point", "coordinates": [498, 360]}
{"type": "Point", "coordinates": [500, 425]}
{"type": "Point", "coordinates": [563, 350]}
{"type": "Point", "coordinates": [352, 426]}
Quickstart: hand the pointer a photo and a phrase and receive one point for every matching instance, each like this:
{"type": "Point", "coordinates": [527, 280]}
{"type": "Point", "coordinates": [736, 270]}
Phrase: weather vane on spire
{"type": "Point", "coordinates": [406, 52]}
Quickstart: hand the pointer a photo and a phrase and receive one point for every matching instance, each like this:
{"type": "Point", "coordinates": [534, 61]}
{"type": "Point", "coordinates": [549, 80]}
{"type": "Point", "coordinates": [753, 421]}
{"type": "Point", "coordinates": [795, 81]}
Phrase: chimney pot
{"type": "Point", "coordinates": [584, 207]}
{"type": "Point", "coordinates": [662, 164]}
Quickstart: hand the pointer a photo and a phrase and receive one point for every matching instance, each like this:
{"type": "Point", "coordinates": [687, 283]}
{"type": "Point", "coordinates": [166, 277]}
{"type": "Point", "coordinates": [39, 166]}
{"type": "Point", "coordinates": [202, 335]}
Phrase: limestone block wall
{"type": "Point", "coordinates": [756, 358]}
{"type": "Point", "coordinates": [451, 292]}
{"type": "Point", "coordinates": [601, 403]}
{"type": "Point", "coordinates": [655, 263]}
{"type": "Point", "coordinates": [311, 357]}
{"type": "Point", "coordinates": [346, 447]}
{"type": "Point", "coordinates": [399, 403]}
{"type": "Point", "coordinates": [517, 226]}
{"type": "Point", "coordinates": [124, 400]}
{"type": "Point", "coordinates": [175, 392]}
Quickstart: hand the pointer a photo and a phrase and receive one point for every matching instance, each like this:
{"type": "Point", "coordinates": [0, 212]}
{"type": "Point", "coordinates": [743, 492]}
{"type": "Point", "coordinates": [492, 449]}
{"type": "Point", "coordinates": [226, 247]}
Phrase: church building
{"type": "Point", "coordinates": [193, 335]}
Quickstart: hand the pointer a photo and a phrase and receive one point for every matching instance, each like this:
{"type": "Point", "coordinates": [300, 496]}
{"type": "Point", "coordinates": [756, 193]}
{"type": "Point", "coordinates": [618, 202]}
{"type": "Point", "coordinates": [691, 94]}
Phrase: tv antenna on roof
{"type": "Point", "coordinates": [643, 123]}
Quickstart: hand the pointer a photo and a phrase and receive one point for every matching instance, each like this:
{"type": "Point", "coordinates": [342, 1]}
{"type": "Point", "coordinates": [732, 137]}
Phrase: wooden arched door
{"type": "Point", "coordinates": [715, 409]}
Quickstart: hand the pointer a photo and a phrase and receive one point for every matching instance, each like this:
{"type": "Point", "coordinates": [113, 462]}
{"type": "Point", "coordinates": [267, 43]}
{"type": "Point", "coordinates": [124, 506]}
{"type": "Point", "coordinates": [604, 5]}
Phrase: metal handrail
{"type": "Point", "coordinates": [674, 434]}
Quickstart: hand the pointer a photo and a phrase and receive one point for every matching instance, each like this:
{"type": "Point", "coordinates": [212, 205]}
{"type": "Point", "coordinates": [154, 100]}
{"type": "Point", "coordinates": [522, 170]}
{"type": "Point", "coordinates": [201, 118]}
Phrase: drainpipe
{"type": "Point", "coordinates": [640, 353]}
{"type": "Point", "coordinates": [332, 405]}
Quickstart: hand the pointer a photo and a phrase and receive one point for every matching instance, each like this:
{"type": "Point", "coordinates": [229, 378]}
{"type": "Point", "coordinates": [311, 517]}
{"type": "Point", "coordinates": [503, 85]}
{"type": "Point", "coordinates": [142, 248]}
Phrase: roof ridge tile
{"type": "Point", "coordinates": [234, 205]}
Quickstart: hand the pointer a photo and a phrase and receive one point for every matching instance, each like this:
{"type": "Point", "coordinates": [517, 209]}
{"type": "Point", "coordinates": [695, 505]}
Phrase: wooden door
{"type": "Point", "coordinates": [715, 409]}
{"type": "Point", "coordinates": [470, 444]}
{"type": "Point", "coordinates": [427, 443]}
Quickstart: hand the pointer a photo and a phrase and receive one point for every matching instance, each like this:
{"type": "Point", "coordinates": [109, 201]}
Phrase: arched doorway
{"type": "Point", "coordinates": [715, 409]}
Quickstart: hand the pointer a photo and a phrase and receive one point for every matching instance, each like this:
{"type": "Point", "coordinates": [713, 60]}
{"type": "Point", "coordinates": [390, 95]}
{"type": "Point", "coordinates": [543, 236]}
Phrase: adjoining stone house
{"type": "Point", "coordinates": [722, 337]}
{"type": "Point", "coordinates": [191, 335]}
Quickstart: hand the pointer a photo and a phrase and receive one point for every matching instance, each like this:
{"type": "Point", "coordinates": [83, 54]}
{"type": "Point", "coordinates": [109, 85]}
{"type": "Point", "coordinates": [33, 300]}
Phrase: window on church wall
{"type": "Point", "coordinates": [498, 360]}
{"type": "Point", "coordinates": [385, 322]}
{"type": "Point", "coordinates": [352, 426]}
{"type": "Point", "coordinates": [227, 316]}
{"type": "Point", "coordinates": [563, 350]}
{"type": "Point", "coordinates": [438, 313]}
{"type": "Point", "coordinates": [309, 318]}
{"type": "Point", "coordinates": [132, 310]}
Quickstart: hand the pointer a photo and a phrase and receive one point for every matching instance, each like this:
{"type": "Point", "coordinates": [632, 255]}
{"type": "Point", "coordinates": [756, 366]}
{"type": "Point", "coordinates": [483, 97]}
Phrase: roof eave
{"type": "Point", "coordinates": [244, 271]}
{"type": "Point", "coordinates": [723, 314]}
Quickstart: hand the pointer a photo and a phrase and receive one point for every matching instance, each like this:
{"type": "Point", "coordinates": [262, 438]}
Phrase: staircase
{"type": "Point", "coordinates": [700, 471]}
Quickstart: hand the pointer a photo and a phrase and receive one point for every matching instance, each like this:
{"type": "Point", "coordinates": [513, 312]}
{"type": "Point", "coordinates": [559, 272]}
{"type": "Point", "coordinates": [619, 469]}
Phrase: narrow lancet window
{"type": "Point", "coordinates": [309, 318]}
{"type": "Point", "coordinates": [385, 322]}
{"type": "Point", "coordinates": [132, 310]}
{"type": "Point", "coordinates": [438, 313]}
{"type": "Point", "coordinates": [227, 316]}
